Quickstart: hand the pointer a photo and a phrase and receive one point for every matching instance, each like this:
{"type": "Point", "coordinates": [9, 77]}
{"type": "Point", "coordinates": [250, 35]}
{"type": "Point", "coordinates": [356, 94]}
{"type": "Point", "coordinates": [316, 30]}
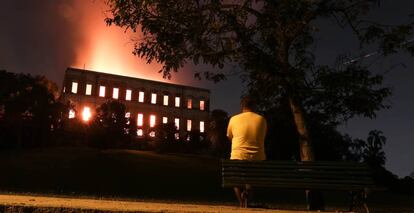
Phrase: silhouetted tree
{"type": "Point", "coordinates": [30, 109]}
{"type": "Point", "coordinates": [110, 127]}
{"type": "Point", "coordinates": [217, 133]}
{"type": "Point", "coordinates": [272, 41]}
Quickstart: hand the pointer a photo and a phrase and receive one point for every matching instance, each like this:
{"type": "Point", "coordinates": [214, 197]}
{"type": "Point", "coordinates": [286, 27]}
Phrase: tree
{"type": "Point", "coordinates": [271, 42]}
{"type": "Point", "coordinates": [30, 110]}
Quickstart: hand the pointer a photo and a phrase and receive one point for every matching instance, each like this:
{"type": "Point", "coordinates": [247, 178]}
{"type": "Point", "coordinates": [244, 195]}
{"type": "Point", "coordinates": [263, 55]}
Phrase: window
{"type": "Point", "coordinates": [177, 123]}
{"type": "Point", "coordinates": [74, 87]}
{"type": "Point", "coordinates": [189, 103]}
{"type": "Point", "coordinates": [127, 116]}
{"type": "Point", "coordinates": [152, 134]}
{"type": "Point", "coordinates": [115, 93]}
{"type": "Point", "coordinates": [140, 132]}
{"type": "Point", "coordinates": [88, 89]}
{"type": "Point", "coordinates": [64, 89]}
{"type": "Point", "coordinates": [202, 105]}
{"type": "Point", "coordinates": [165, 100]}
{"type": "Point", "coordinates": [102, 91]}
{"type": "Point", "coordinates": [201, 126]}
{"type": "Point", "coordinates": [128, 94]}
{"type": "Point", "coordinates": [140, 119]}
{"type": "Point", "coordinates": [152, 120]}
{"type": "Point", "coordinates": [164, 120]}
{"type": "Point", "coordinates": [188, 125]}
{"type": "Point", "coordinates": [141, 97]}
{"type": "Point", "coordinates": [86, 114]}
{"type": "Point", "coordinates": [153, 98]}
{"type": "Point", "coordinates": [177, 101]}
{"type": "Point", "coordinates": [71, 113]}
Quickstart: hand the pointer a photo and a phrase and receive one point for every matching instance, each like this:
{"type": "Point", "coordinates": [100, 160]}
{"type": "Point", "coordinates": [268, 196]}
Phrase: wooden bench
{"type": "Point", "coordinates": [316, 175]}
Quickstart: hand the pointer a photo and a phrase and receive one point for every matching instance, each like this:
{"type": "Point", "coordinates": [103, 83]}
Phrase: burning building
{"type": "Point", "coordinates": [150, 102]}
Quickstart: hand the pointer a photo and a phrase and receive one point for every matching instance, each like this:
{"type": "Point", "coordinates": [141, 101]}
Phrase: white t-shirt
{"type": "Point", "coordinates": [247, 133]}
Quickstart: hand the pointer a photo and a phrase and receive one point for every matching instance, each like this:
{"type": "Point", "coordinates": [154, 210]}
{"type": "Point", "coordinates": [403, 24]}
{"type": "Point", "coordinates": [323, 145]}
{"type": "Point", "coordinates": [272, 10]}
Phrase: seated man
{"type": "Point", "coordinates": [246, 132]}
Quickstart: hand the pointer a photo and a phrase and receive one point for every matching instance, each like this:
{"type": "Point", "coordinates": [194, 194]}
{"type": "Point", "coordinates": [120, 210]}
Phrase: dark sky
{"type": "Point", "coordinates": [46, 36]}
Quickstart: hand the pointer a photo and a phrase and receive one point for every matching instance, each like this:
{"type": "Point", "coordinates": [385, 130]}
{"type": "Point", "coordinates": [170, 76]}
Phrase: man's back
{"type": "Point", "coordinates": [247, 132]}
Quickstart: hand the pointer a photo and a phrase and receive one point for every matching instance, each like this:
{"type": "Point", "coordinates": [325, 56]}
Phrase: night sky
{"type": "Point", "coordinates": [44, 37]}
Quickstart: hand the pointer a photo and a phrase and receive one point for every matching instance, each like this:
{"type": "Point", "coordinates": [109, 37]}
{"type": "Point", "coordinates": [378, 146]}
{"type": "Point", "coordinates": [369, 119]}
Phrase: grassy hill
{"type": "Point", "coordinates": [143, 175]}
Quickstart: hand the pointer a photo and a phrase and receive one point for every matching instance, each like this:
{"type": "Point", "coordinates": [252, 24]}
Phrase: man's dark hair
{"type": "Point", "coordinates": [247, 103]}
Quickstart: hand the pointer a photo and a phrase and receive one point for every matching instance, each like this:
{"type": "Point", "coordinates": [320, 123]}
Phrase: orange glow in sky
{"type": "Point", "coordinates": [109, 49]}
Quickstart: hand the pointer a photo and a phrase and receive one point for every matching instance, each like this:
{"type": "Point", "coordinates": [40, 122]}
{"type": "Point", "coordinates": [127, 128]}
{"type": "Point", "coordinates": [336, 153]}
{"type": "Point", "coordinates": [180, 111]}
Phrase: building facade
{"type": "Point", "coordinates": [149, 102]}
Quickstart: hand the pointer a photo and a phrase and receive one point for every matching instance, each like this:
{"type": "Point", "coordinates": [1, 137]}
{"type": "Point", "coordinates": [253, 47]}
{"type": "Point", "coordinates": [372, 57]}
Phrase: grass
{"type": "Point", "coordinates": [142, 175]}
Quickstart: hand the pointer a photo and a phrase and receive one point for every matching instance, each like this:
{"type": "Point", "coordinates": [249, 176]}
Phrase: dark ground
{"type": "Point", "coordinates": [141, 175]}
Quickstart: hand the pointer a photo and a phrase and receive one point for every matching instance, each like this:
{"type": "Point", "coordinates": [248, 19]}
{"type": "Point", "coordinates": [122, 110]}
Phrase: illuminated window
{"type": "Point", "coordinates": [153, 98]}
{"type": "Point", "coordinates": [115, 93]}
{"type": "Point", "coordinates": [177, 123]}
{"type": "Point", "coordinates": [177, 101]}
{"type": "Point", "coordinates": [140, 119]}
{"type": "Point", "coordinates": [201, 126]}
{"type": "Point", "coordinates": [64, 89]}
{"type": "Point", "coordinates": [86, 114]}
{"type": "Point", "coordinates": [189, 103]}
{"type": "Point", "coordinates": [127, 116]}
{"type": "Point", "coordinates": [141, 97]}
{"type": "Point", "coordinates": [74, 87]}
{"type": "Point", "coordinates": [88, 89]}
{"type": "Point", "coordinates": [202, 105]}
{"type": "Point", "coordinates": [177, 136]}
{"type": "Point", "coordinates": [140, 132]}
{"type": "Point", "coordinates": [188, 125]}
{"type": "Point", "coordinates": [71, 113]}
{"type": "Point", "coordinates": [102, 91]}
{"type": "Point", "coordinates": [164, 120]}
{"type": "Point", "coordinates": [128, 94]}
{"type": "Point", "coordinates": [152, 134]}
{"type": "Point", "coordinates": [165, 100]}
{"type": "Point", "coordinates": [152, 120]}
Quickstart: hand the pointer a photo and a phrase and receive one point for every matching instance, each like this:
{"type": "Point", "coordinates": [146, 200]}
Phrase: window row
{"type": "Point", "coordinates": [86, 115]}
{"type": "Point", "coordinates": [141, 96]}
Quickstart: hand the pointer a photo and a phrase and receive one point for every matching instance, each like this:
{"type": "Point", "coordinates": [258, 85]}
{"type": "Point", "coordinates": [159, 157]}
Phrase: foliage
{"type": "Point", "coordinates": [30, 113]}
{"type": "Point", "coordinates": [217, 135]}
{"type": "Point", "coordinates": [272, 42]}
{"type": "Point", "coordinates": [110, 127]}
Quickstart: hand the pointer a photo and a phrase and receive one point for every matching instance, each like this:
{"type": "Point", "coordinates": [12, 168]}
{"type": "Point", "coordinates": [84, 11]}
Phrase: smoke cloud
{"type": "Point", "coordinates": [44, 37]}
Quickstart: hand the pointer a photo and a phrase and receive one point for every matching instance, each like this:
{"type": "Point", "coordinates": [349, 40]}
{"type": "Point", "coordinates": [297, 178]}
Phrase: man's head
{"type": "Point", "coordinates": [247, 104]}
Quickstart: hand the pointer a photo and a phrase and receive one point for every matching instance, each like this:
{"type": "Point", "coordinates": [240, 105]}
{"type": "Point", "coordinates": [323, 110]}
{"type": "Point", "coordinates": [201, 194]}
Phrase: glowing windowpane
{"type": "Point", "coordinates": [102, 91]}
{"type": "Point", "coordinates": [188, 125]}
{"type": "Point", "coordinates": [164, 120]}
{"type": "Point", "coordinates": [140, 132]}
{"type": "Point", "coordinates": [141, 97]}
{"type": "Point", "coordinates": [128, 95]}
{"type": "Point", "coordinates": [189, 103]}
{"type": "Point", "coordinates": [202, 105]}
{"type": "Point", "coordinates": [177, 123]}
{"type": "Point", "coordinates": [140, 119]}
{"type": "Point", "coordinates": [152, 120]}
{"type": "Point", "coordinates": [88, 89]}
{"type": "Point", "coordinates": [177, 101]}
{"type": "Point", "coordinates": [115, 93]}
{"type": "Point", "coordinates": [177, 136]}
{"type": "Point", "coordinates": [71, 113]}
{"type": "Point", "coordinates": [86, 114]}
{"type": "Point", "coordinates": [127, 115]}
{"type": "Point", "coordinates": [153, 98]}
{"type": "Point", "coordinates": [74, 87]}
{"type": "Point", "coordinates": [165, 100]}
{"type": "Point", "coordinates": [201, 126]}
{"type": "Point", "coordinates": [152, 134]}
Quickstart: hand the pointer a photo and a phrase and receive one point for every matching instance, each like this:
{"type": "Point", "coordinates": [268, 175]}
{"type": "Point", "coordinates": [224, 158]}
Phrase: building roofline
{"type": "Point", "coordinates": [134, 78]}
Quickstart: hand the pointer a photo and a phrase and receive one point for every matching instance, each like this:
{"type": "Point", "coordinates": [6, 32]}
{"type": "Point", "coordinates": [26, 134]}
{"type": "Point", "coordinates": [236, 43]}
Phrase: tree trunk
{"type": "Point", "coordinates": [306, 151]}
